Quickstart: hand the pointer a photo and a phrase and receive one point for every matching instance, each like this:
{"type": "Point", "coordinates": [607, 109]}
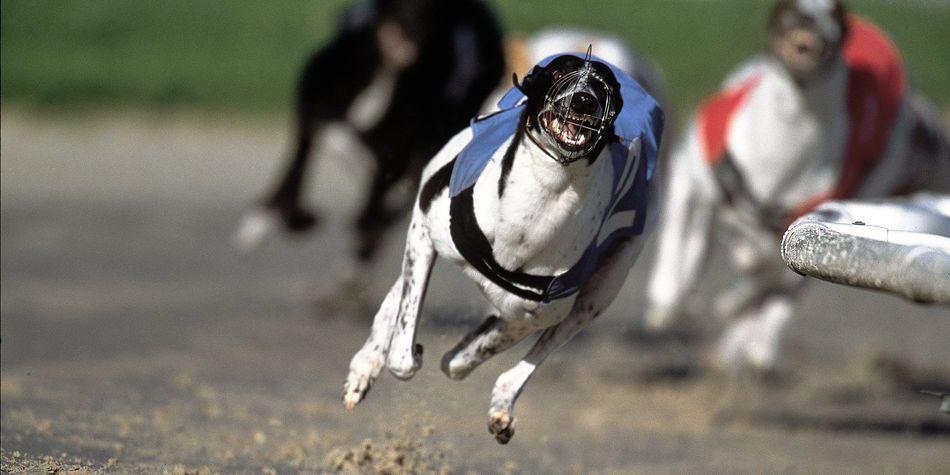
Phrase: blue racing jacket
{"type": "Point", "coordinates": [633, 156]}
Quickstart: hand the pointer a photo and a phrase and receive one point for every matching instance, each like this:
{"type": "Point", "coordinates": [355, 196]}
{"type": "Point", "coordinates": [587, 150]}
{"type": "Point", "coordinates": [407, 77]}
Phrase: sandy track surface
{"type": "Point", "coordinates": [135, 340]}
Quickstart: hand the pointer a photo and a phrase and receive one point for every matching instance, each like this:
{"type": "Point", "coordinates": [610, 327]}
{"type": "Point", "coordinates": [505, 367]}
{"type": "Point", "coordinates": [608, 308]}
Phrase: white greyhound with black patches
{"type": "Point", "coordinates": [544, 204]}
{"type": "Point", "coordinates": [826, 115]}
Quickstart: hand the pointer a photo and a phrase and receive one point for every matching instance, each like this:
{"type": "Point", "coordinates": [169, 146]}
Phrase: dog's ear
{"type": "Point", "coordinates": [527, 83]}
{"type": "Point", "coordinates": [840, 15]}
{"type": "Point", "coordinates": [514, 80]}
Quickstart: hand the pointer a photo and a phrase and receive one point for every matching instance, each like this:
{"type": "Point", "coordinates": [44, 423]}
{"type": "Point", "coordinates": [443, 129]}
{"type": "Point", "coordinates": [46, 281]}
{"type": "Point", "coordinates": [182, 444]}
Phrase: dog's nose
{"type": "Point", "coordinates": [584, 103]}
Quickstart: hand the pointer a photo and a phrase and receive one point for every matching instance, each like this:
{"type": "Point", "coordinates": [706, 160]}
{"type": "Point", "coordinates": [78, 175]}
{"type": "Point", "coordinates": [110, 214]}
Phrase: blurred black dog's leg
{"type": "Point", "coordinates": [329, 82]}
{"type": "Point", "coordinates": [375, 217]}
{"type": "Point", "coordinates": [286, 197]}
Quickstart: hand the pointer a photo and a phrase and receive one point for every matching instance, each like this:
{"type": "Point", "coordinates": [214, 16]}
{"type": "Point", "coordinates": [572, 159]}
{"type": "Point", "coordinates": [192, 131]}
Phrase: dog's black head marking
{"type": "Point", "coordinates": [572, 104]}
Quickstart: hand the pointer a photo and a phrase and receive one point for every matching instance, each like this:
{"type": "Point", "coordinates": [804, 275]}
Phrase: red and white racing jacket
{"type": "Point", "coordinates": [784, 148]}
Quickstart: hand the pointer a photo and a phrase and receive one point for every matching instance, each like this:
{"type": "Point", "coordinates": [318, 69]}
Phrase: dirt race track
{"type": "Point", "coordinates": [134, 339]}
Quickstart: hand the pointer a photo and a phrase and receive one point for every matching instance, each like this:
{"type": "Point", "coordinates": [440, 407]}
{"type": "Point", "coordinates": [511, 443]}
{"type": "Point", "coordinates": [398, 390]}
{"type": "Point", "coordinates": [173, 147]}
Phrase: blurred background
{"type": "Point", "coordinates": [244, 57]}
{"type": "Point", "coordinates": [134, 338]}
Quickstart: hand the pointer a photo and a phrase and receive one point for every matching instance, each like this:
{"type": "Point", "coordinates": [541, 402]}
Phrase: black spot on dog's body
{"type": "Point", "coordinates": [433, 188]}
{"type": "Point", "coordinates": [407, 284]}
{"type": "Point", "coordinates": [474, 246]}
{"type": "Point", "coordinates": [735, 189]}
{"type": "Point", "coordinates": [509, 159]}
{"type": "Point", "coordinates": [484, 352]}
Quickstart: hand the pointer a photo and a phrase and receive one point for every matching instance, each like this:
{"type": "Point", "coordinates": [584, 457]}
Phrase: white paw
{"type": "Point", "coordinates": [501, 424]}
{"type": "Point", "coordinates": [657, 319]}
{"type": "Point", "coordinates": [747, 343]}
{"type": "Point", "coordinates": [457, 365]}
{"type": "Point", "coordinates": [404, 364]}
{"type": "Point", "coordinates": [761, 353]}
{"type": "Point", "coordinates": [355, 388]}
{"type": "Point", "coordinates": [363, 372]}
{"type": "Point", "coordinates": [255, 226]}
{"type": "Point", "coordinates": [730, 354]}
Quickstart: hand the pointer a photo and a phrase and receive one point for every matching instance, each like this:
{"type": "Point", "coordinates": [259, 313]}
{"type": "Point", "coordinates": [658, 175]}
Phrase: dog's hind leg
{"type": "Point", "coordinates": [286, 197]}
{"type": "Point", "coordinates": [493, 336]}
{"type": "Point", "coordinates": [599, 291]}
{"type": "Point", "coordinates": [689, 206]}
{"type": "Point", "coordinates": [369, 361]}
{"type": "Point", "coordinates": [501, 421]}
{"type": "Point", "coordinates": [282, 207]}
{"type": "Point", "coordinates": [405, 356]}
{"type": "Point", "coordinates": [755, 338]}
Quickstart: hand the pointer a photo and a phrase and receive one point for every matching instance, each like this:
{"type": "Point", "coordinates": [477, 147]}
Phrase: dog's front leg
{"type": "Point", "coordinates": [405, 356]}
{"type": "Point", "coordinates": [376, 218]}
{"type": "Point", "coordinates": [369, 361]}
{"type": "Point", "coordinates": [689, 208]}
{"type": "Point", "coordinates": [501, 420]}
{"type": "Point", "coordinates": [755, 337]}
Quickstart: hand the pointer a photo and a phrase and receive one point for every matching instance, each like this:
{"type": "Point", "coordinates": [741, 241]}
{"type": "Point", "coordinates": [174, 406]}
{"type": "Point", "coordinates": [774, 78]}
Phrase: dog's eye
{"type": "Point", "coordinates": [556, 75]}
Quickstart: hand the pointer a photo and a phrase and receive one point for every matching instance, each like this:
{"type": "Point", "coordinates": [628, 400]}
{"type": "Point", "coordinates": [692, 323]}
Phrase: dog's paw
{"type": "Point", "coordinates": [405, 365]}
{"type": "Point", "coordinates": [355, 389]}
{"type": "Point", "coordinates": [455, 367]}
{"type": "Point", "coordinates": [747, 344]}
{"type": "Point", "coordinates": [255, 226]}
{"type": "Point", "coordinates": [299, 220]}
{"type": "Point", "coordinates": [731, 352]}
{"type": "Point", "coordinates": [460, 361]}
{"type": "Point", "coordinates": [364, 368]}
{"type": "Point", "coordinates": [658, 320]}
{"type": "Point", "coordinates": [501, 424]}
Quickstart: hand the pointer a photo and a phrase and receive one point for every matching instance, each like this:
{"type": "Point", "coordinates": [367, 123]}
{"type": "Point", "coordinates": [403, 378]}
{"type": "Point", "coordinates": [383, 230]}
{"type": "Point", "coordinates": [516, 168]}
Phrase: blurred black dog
{"type": "Point", "coordinates": [406, 75]}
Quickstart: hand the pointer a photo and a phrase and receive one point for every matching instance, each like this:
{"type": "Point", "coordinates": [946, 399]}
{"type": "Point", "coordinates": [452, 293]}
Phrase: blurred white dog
{"type": "Point", "coordinates": [825, 115]}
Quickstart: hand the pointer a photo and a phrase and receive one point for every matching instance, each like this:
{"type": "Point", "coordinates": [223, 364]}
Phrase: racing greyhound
{"type": "Point", "coordinates": [825, 115]}
{"type": "Point", "coordinates": [546, 205]}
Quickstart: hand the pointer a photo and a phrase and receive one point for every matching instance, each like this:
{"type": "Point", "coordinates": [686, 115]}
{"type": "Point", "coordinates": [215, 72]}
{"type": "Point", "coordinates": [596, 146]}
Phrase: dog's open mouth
{"type": "Point", "coordinates": [572, 119]}
{"type": "Point", "coordinates": [572, 131]}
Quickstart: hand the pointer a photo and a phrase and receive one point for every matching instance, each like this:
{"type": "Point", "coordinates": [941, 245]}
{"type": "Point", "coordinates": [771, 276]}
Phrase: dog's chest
{"type": "Point", "coordinates": [789, 142]}
{"type": "Point", "coordinates": [547, 215]}
{"type": "Point", "coordinates": [371, 103]}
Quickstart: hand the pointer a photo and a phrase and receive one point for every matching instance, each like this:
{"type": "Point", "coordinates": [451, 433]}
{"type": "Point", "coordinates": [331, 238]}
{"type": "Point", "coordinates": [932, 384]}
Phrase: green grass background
{"type": "Point", "coordinates": [243, 55]}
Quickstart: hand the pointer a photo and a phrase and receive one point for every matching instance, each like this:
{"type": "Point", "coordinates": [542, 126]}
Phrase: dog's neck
{"type": "Point", "coordinates": [787, 131]}
{"type": "Point", "coordinates": [819, 93]}
{"type": "Point", "coordinates": [552, 175]}
{"type": "Point", "coordinates": [818, 80]}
